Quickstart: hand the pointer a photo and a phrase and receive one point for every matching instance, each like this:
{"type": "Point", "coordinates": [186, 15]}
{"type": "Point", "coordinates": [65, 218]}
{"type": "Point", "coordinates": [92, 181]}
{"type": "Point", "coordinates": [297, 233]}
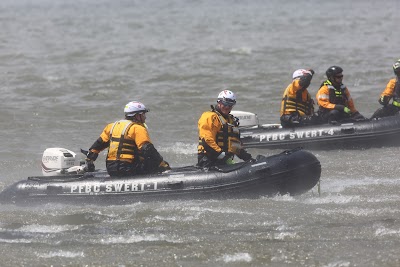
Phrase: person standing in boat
{"type": "Point", "coordinates": [219, 136]}
{"type": "Point", "coordinates": [297, 107]}
{"type": "Point", "coordinates": [130, 150]}
{"type": "Point", "coordinates": [392, 91]}
{"type": "Point", "coordinates": [334, 99]}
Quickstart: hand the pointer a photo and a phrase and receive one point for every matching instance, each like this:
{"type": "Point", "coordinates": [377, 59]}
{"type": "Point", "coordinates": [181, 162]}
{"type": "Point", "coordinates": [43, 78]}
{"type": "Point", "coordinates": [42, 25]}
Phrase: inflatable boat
{"type": "Point", "coordinates": [377, 132]}
{"type": "Point", "coordinates": [290, 172]}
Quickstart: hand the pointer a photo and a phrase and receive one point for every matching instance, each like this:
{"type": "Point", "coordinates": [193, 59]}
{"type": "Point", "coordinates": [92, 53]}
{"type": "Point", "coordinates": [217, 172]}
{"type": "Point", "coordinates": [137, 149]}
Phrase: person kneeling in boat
{"type": "Point", "coordinates": [334, 99]}
{"type": "Point", "coordinates": [297, 107]}
{"type": "Point", "coordinates": [392, 91]}
{"type": "Point", "coordinates": [219, 136]}
{"type": "Point", "coordinates": [130, 150]}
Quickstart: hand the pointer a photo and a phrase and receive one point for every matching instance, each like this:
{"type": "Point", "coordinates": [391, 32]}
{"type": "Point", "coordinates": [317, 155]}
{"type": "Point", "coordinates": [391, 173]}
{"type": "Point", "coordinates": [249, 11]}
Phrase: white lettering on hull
{"type": "Point", "coordinates": [112, 188]}
{"type": "Point", "coordinates": [292, 135]}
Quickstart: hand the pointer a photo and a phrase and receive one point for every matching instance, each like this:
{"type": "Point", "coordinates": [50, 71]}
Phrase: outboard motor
{"type": "Point", "coordinates": [59, 161]}
{"type": "Point", "coordinates": [250, 120]}
{"type": "Point", "coordinates": [246, 119]}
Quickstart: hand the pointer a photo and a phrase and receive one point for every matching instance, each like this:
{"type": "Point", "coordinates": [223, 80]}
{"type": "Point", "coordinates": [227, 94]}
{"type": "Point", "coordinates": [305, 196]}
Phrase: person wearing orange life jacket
{"type": "Point", "coordinates": [130, 150]}
{"type": "Point", "coordinates": [392, 91]}
{"type": "Point", "coordinates": [219, 136]}
{"type": "Point", "coordinates": [334, 99]}
{"type": "Point", "coordinates": [297, 107]}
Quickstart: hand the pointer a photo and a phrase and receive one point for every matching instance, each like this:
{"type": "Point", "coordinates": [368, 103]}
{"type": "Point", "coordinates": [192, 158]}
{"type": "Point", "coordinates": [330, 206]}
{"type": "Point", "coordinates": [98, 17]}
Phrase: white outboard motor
{"type": "Point", "coordinates": [246, 119]}
{"type": "Point", "coordinates": [59, 161]}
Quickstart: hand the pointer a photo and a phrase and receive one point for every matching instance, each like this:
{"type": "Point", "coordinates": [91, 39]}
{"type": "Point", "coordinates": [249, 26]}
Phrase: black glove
{"type": "Point", "coordinates": [89, 165]}
{"type": "Point", "coordinates": [225, 156]}
{"type": "Point", "coordinates": [92, 156]}
{"type": "Point", "coordinates": [342, 108]}
{"type": "Point", "coordinates": [384, 100]}
{"type": "Point", "coordinates": [339, 107]}
{"type": "Point", "coordinates": [305, 80]}
{"type": "Point", "coordinates": [295, 118]}
{"type": "Point", "coordinates": [357, 116]}
{"type": "Point", "coordinates": [312, 71]}
{"type": "Point", "coordinates": [164, 166]}
{"type": "Point", "coordinates": [244, 155]}
{"type": "Point", "coordinates": [228, 156]}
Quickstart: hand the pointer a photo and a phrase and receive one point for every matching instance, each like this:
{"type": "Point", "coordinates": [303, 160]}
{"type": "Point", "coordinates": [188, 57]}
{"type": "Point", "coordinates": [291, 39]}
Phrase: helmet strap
{"type": "Point", "coordinates": [218, 109]}
{"type": "Point", "coordinates": [134, 118]}
{"type": "Point", "coordinates": [334, 82]}
{"type": "Point", "coordinates": [140, 117]}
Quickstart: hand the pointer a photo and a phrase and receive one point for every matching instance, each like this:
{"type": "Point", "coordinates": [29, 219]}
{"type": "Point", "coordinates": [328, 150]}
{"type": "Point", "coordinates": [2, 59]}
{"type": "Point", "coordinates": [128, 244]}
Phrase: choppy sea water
{"type": "Point", "coordinates": [68, 68]}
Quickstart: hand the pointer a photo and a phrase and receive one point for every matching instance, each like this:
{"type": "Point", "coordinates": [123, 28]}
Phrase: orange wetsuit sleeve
{"type": "Point", "coordinates": [323, 98]}
{"type": "Point", "coordinates": [389, 90]}
{"type": "Point", "coordinates": [208, 126]}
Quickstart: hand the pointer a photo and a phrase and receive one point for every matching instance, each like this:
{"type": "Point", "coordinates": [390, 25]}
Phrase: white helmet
{"type": "Point", "coordinates": [133, 108]}
{"type": "Point", "coordinates": [300, 72]}
{"type": "Point", "coordinates": [227, 98]}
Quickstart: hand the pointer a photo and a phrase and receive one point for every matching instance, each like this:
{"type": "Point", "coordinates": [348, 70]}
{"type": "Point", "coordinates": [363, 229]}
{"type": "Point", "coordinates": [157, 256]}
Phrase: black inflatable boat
{"type": "Point", "coordinates": [290, 172]}
{"type": "Point", "coordinates": [377, 132]}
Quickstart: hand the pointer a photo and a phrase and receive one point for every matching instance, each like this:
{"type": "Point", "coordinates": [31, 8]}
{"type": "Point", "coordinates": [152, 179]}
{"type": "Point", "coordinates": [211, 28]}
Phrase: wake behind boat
{"type": "Point", "coordinates": [376, 132]}
{"type": "Point", "coordinates": [290, 172]}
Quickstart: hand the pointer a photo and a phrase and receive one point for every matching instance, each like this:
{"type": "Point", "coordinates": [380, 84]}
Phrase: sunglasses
{"type": "Point", "coordinates": [338, 76]}
{"type": "Point", "coordinates": [227, 102]}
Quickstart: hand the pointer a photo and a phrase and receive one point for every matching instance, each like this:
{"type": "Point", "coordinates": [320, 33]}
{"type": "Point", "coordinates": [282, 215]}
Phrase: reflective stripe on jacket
{"type": "Point", "coordinates": [328, 96]}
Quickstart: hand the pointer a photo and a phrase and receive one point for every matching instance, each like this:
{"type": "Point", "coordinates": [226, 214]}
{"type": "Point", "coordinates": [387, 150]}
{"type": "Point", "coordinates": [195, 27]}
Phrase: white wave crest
{"type": "Point", "coordinates": [237, 257]}
{"type": "Point", "coordinates": [60, 253]}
